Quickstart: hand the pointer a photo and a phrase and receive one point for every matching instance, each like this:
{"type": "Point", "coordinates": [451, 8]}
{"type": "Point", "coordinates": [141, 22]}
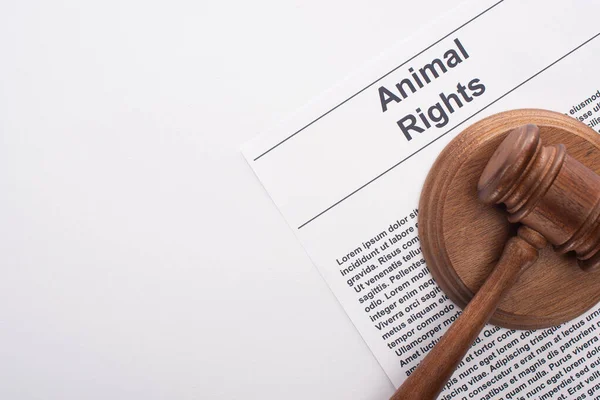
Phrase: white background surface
{"type": "Point", "coordinates": [139, 256]}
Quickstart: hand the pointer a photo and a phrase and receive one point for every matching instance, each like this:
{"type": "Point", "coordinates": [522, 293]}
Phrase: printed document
{"type": "Point", "coordinates": [346, 174]}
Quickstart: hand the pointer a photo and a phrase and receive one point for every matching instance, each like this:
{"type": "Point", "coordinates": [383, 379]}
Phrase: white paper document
{"type": "Point", "coordinates": [346, 173]}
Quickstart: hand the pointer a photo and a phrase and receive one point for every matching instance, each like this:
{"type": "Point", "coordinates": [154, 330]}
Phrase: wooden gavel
{"type": "Point", "coordinates": [556, 199]}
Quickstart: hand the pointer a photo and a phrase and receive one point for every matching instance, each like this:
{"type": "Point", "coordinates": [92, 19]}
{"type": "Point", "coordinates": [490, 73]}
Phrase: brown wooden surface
{"type": "Point", "coordinates": [462, 238]}
{"type": "Point", "coordinates": [426, 382]}
{"type": "Point", "coordinates": [546, 189]}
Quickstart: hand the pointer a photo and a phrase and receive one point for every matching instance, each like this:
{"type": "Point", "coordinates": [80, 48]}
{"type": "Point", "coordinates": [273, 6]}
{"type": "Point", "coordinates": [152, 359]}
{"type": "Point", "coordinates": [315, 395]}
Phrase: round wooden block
{"type": "Point", "coordinates": [462, 239]}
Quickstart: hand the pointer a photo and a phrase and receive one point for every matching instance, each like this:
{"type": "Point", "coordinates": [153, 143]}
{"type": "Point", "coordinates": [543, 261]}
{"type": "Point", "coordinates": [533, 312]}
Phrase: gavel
{"type": "Point", "coordinates": [556, 199]}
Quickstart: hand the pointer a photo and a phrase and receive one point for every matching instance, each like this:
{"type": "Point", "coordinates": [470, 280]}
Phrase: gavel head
{"type": "Point", "coordinates": [547, 190]}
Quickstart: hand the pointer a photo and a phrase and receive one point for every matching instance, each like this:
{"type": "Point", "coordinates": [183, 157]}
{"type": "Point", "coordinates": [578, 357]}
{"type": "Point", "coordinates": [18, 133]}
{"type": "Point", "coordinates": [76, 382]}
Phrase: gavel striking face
{"type": "Point", "coordinates": [556, 199]}
{"type": "Point", "coordinates": [548, 191]}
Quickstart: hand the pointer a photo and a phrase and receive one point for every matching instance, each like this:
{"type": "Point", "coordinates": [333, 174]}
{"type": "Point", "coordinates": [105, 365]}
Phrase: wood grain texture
{"type": "Point", "coordinates": [462, 238]}
{"type": "Point", "coordinates": [546, 189]}
{"type": "Point", "coordinates": [426, 382]}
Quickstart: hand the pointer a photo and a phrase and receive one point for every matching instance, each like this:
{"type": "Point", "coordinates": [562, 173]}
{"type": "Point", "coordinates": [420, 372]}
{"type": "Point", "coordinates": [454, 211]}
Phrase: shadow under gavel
{"type": "Point", "coordinates": [556, 199]}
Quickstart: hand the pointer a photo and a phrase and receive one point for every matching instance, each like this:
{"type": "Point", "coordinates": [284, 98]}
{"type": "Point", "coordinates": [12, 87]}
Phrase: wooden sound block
{"type": "Point", "coordinates": [462, 239]}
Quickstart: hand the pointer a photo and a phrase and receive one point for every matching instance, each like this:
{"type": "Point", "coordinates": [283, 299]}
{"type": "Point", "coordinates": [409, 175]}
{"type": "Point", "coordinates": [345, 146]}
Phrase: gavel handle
{"type": "Point", "coordinates": [428, 380]}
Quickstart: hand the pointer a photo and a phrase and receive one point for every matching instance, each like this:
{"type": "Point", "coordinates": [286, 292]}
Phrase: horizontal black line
{"type": "Point", "coordinates": [375, 81]}
{"type": "Point", "coordinates": [448, 131]}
